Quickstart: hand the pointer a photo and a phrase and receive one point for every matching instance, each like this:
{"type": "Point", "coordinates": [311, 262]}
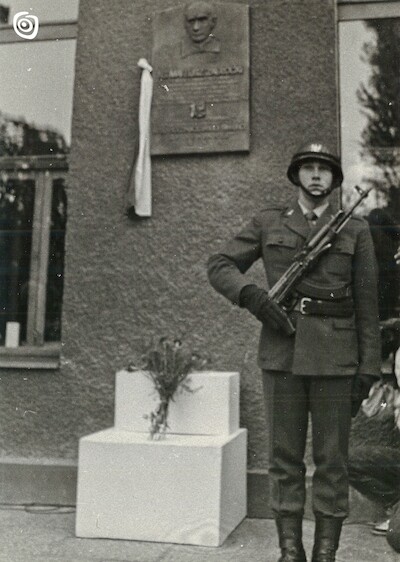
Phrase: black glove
{"type": "Point", "coordinates": [258, 302]}
{"type": "Point", "coordinates": [360, 390]}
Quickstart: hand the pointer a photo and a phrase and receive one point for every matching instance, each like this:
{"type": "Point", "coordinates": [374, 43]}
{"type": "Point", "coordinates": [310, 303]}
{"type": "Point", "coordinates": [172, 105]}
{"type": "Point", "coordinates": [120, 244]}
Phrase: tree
{"type": "Point", "coordinates": [380, 99]}
{"type": "Point", "coordinates": [380, 142]}
{"type": "Point", "coordinates": [18, 138]}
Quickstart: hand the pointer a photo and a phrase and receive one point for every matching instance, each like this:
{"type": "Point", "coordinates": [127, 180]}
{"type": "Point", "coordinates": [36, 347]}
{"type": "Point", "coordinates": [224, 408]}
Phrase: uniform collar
{"type": "Point", "coordinates": [318, 210]}
{"type": "Point", "coordinates": [294, 219]}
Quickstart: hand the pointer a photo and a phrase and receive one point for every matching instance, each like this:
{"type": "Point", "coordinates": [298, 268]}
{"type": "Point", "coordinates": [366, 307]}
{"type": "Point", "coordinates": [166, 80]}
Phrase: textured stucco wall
{"type": "Point", "coordinates": [126, 281]}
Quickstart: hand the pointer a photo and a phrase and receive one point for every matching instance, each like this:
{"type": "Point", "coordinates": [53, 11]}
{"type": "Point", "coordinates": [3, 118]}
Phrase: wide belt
{"type": "Point", "coordinates": [317, 307]}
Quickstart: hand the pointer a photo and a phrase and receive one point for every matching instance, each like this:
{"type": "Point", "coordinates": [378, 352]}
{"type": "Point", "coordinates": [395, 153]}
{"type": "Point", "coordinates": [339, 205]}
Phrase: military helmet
{"type": "Point", "coordinates": [315, 151]}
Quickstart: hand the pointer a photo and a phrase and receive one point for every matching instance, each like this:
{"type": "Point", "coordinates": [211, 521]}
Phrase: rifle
{"type": "Point", "coordinates": [308, 257]}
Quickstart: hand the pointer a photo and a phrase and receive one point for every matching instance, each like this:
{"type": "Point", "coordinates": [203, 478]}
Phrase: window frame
{"type": "Point", "coordinates": [361, 10]}
{"type": "Point", "coordinates": [36, 353]}
{"type": "Point", "coordinates": [356, 10]}
{"type": "Point", "coordinates": [48, 31]}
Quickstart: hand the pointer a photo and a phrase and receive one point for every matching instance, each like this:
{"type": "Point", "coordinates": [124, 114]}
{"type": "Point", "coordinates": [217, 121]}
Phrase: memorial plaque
{"type": "Point", "coordinates": [201, 79]}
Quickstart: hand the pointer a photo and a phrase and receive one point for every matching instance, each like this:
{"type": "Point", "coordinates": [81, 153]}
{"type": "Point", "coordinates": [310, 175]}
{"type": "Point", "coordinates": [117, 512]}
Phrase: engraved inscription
{"type": "Point", "coordinates": [220, 88]}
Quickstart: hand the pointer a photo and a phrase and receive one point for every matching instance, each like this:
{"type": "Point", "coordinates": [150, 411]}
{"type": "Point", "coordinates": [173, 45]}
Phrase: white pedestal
{"type": "Point", "coordinates": [184, 489]}
{"type": "Point", "coordinates": [189, 488]}
{"type": "Point", "coordinates": [211, 409]}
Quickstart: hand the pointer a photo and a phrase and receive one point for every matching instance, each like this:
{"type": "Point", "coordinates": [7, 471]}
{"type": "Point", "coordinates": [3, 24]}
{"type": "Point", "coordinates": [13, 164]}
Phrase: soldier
{"type": "Point", "coordinates": [328, 365]}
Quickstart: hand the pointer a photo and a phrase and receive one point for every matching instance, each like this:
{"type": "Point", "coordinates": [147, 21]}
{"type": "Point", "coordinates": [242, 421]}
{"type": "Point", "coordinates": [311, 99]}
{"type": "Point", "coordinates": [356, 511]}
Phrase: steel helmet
{"type": "Point", "coordinates": [315, 151]}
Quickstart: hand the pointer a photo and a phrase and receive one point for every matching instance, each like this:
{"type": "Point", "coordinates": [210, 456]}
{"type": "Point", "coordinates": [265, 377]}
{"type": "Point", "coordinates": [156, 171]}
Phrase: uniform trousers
{"type": "Point", "coordinates": [289, 401]}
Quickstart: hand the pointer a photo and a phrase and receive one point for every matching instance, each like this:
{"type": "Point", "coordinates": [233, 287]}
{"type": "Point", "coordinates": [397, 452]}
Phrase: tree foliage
{"type": "Point", "coordinates": [380, 99]}
{"type": "Point", "coordinates": [19, 138]}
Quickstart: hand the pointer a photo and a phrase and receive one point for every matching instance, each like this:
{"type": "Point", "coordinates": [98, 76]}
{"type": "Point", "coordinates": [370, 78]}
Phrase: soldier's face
{"type": "Point", "coordinates": [316, 178]}
{"type": "Point", "coordinates": [199, 24]}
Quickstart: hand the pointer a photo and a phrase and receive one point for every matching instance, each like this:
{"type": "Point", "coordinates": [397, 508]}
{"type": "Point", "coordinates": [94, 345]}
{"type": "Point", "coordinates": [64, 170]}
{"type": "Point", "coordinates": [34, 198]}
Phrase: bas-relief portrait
{"type": "Point", "coordinates": [201, 70]}
{"type": "Point", "coordinates": [200, 21]}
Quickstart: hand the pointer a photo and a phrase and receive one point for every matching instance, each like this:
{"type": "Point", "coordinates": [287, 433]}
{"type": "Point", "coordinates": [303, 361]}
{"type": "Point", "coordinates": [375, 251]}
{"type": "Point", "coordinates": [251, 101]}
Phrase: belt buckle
{"type": "Point", "coordinates": [303, 303]}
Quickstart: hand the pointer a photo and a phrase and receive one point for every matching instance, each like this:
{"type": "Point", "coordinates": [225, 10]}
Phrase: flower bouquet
{"type": "Point", "coordinates": [167, 362]}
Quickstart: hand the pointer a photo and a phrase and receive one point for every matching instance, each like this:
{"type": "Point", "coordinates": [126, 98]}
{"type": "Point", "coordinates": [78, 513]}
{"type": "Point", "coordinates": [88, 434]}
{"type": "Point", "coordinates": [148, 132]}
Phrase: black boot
{"type": "Point", "coordinates": [290, 535]}
{"type": "Point", "coordinates": [326, 541]}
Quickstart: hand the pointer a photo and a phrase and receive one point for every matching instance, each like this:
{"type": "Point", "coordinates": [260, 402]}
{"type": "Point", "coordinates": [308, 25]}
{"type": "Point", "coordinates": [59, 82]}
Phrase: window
{"type": "Point", "coordinates": [35, 135]}
{"type": "Point", "coordinates": [369, 54]}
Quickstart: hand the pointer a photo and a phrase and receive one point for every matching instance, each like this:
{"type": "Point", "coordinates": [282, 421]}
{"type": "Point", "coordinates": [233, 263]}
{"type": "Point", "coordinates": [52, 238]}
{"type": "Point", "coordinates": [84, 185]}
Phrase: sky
{"type": "Point", "coordinates": [37, 77]}
{"type": "Point", "coordinates": [352, 72]}
{"type": "Point", "coordinates": [45, 10]}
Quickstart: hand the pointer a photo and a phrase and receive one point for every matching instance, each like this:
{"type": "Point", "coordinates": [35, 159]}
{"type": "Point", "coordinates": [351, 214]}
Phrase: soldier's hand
{"type": "Point", "coordinates": [360, 390]}
{"type": "Point", "coordinates": [258, 302]}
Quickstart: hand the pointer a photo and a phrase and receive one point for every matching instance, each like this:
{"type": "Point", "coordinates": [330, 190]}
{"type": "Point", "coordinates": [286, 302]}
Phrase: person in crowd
{"type": "Point", "coordinates": [386, 237]}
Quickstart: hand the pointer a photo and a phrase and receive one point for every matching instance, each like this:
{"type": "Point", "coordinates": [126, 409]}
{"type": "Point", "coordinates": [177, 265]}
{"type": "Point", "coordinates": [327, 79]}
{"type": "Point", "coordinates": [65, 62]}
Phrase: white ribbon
{"type": "Point", "coordinates": [139, 194]}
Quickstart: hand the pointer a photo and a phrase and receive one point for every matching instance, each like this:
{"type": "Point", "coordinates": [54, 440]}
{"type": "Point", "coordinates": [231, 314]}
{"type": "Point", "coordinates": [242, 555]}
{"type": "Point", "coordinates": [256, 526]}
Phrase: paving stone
{"type": "Point", "coordinates": [37, 534]}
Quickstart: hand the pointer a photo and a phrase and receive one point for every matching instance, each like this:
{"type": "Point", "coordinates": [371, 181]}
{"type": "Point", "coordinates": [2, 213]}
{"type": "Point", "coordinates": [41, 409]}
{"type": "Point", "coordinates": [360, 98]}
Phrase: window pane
{"type": "Point", "coordinates": [36, 97]}
{"type": "Point", "coordinates": [16, 215]}
{"type": "Point", "coordinates": [55, 272]}
{"type": "Point", "coordinates": [45, 10]}
{"type": "Point", "coordinates": [370, 134]}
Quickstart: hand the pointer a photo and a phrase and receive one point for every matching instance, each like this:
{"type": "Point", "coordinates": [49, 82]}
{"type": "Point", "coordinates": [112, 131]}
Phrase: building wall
{"type": "Point", "coordinates": [126, 281]}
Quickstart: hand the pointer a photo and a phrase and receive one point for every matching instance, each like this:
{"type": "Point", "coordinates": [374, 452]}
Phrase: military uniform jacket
{"type": "Point", "coordinates": [322, 345]}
